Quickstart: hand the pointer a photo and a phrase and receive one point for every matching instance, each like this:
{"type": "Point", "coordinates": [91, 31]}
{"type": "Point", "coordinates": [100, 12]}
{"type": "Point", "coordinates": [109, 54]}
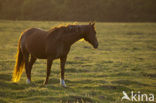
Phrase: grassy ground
{"type": "Point", "coordinates": [124, 61]}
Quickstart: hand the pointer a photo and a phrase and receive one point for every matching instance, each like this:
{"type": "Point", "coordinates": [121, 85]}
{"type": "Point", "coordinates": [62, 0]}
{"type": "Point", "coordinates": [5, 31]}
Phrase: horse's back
{"type": "Point", "coordinates": [34, 31]}
{"type": "Point", "coordinates": [33, 41]}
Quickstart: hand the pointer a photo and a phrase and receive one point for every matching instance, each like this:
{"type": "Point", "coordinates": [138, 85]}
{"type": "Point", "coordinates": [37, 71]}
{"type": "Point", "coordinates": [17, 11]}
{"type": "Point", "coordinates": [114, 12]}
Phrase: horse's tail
{"type": "Point", "coordinates": [19, 66]}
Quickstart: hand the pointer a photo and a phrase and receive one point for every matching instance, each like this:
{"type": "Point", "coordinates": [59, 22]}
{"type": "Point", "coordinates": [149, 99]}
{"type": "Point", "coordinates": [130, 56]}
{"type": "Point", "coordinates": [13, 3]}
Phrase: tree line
{"type": "Point", "coordinates": [79, 10]}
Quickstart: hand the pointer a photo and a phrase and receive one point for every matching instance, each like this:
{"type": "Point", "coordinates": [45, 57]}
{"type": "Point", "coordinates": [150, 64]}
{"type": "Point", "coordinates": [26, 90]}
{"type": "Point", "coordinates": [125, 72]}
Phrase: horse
{"type": "Point", "coordinates": [53, 44]}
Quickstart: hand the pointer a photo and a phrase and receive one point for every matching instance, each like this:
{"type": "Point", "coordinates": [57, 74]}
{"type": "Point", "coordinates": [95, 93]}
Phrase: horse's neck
{"type": "Point", "coordinates": [79, 34]}
{"type": "Point", "coordinates": [74, 37]}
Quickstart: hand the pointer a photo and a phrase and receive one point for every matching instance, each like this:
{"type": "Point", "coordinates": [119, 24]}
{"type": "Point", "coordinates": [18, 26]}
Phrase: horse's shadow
{"type": "Point", "coordinates": [51, 81]}
{"type": "Point", "coordinates": [6, 83]}
{"type": "Point", "coordinates": [5, 77]}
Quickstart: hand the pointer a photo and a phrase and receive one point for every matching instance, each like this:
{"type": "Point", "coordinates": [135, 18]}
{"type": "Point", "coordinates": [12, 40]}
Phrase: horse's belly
{"type": "Point", "coordinates": [36, 51]}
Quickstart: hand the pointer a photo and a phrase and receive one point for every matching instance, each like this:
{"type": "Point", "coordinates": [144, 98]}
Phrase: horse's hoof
{"type": "Point", "coordinates": [45, 83]}
{"type": "Point", "coordinates": [28, 81]}
{"type": "Point", "coordinates": [62, 83]}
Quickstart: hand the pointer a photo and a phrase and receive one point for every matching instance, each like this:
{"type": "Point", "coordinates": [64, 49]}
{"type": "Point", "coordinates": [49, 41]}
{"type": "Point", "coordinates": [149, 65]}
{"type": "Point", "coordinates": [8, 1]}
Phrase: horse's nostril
{"type": "Point", "coordinates": [96, 45]}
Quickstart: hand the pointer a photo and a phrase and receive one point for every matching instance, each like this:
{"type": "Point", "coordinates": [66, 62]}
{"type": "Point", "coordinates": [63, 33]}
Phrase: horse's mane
{"type": "Point", "coordinates": [65, 28]}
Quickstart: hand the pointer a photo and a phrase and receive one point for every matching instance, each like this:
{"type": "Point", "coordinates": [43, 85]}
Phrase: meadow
{"type": "Point", "coordinates": [124, 61]}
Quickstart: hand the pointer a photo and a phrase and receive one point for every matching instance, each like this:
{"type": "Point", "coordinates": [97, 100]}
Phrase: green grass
{"type": "Point", "coordinates": [125, 60]}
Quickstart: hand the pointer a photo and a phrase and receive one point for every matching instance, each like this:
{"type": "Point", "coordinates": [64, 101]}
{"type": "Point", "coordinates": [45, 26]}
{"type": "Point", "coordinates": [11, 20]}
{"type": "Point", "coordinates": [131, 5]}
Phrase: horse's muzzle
{"type": "Point", "coordinates": [96, 45]}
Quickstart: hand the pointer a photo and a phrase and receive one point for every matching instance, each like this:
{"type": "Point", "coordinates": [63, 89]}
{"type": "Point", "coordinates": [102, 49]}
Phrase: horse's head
{"type": "Point", "coordinates": [91, 35]}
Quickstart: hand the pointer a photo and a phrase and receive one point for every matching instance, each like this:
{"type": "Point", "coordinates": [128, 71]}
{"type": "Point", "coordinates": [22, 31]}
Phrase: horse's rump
{"type": "Point", "coordinates": [33, 41]}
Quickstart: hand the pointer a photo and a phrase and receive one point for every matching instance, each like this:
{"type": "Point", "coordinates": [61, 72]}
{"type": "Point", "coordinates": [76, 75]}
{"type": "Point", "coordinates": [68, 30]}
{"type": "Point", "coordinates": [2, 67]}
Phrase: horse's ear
{"type": "Point", "coordinates": [93, 23]}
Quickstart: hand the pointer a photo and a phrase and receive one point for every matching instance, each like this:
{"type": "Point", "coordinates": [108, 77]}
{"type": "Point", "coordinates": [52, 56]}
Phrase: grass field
{"type": "Point", "coordinates": [124, 61]}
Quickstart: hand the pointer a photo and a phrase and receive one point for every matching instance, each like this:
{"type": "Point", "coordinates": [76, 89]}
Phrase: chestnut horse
{"type": "Point", "coordinates": [50, 45]}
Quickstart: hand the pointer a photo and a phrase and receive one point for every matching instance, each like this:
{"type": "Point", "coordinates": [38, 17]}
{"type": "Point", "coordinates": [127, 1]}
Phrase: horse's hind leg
{"type": "Point", "coordinates": [26, 59]}
{"type": "Point", "coordinates": [32, 61]}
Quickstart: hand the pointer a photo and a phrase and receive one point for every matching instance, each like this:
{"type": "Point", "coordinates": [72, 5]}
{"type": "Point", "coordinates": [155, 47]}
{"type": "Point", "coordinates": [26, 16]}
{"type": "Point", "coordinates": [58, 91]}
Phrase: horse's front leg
{"type": "Point", "coordinates": [49, 63]}
{"type": "Point", "coordinates": [62, 62]}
